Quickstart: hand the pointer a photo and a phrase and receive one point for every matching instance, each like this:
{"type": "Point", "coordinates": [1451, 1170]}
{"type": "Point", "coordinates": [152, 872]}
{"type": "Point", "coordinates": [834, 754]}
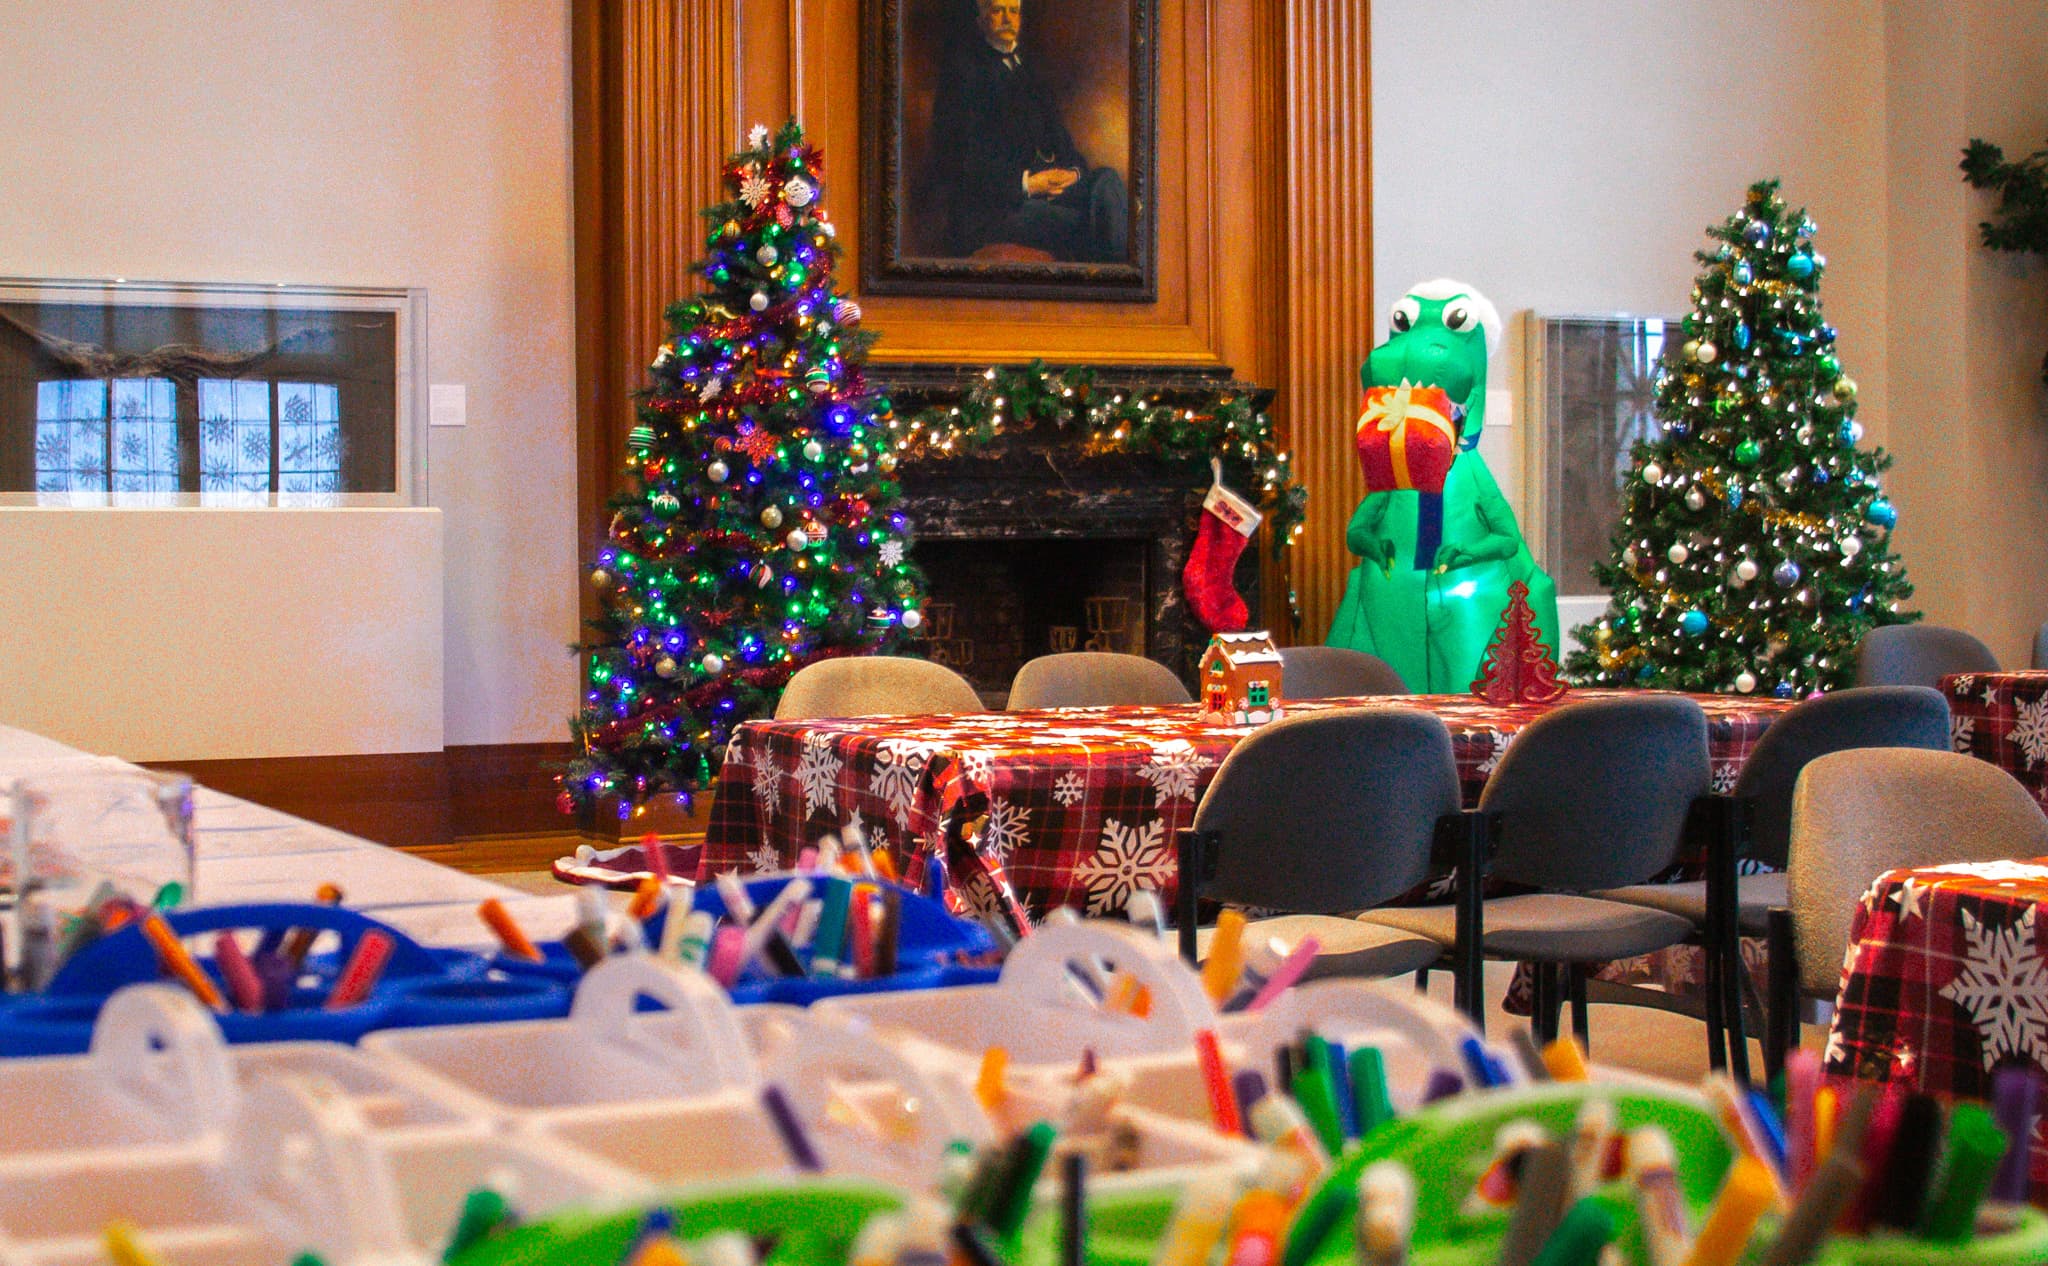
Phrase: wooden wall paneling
{"type": "Point", "coordinates": [1328, 185]}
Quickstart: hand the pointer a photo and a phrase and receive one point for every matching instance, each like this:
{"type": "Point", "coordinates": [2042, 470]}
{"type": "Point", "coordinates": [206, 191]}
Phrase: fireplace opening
{"type": "Point", "coordinates": [994, 604]}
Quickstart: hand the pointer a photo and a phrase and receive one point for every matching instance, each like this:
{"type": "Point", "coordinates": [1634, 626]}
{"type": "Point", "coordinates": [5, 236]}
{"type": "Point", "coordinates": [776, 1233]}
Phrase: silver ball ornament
{"type": "Point", "coordinates": [1745, 681]}
{"type": "Point", "coordinates": [1653, 473]}
{"type": "Point", "coordinates": [913, 618]}
{"type": "Point", "coordinates": [1695, 499]}
{"type": "Point", "coordinates": [1678, 553]}
{"type": "Point", "coordinates": [813, 450]}
{"type": "Point", "coordinates": [1786, 574]}
{"type": "Point", "coordinates": [768, 254]}
{"type": "Point", "coordinates": [1705, 352]}
{"type": "Point", "coordinates": [1745, 571]}
{"type": "Point", "coordinates": [797, 538]}
{"type": "Point", "coordinates": [1852, 546]}
{"type": "Point", "coordinates": [717, 471]}
{"type": "Point", "coordinates": [759, 301]}
{"type": "Point", "coordinates": [713, 663]}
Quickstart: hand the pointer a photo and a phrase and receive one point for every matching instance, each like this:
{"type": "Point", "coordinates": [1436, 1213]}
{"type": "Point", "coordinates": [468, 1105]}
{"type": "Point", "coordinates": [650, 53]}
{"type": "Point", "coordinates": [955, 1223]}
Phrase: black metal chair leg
{"type": "Point", "coordinates": [1422, 981]}
{"type": "Point", "coordinates": [1582, 1020]}
{"type": "Point", "coordinates": [1539, 1002]}
{"type": "Point", "coordinates": [1715, 998]}
{"type": "Point", "coordinates": [1781, 1011]}
{"type": "Point", "coordinates": [1736, 1035]}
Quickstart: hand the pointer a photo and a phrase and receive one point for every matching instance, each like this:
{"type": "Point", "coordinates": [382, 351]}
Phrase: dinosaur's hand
{"type": "Point", "coordinates": [1487, 549]}
{"type": "Point", "coordinates": [1369, 544]}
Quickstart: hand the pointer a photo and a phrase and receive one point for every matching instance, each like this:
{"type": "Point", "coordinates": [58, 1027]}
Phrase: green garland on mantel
{"type": "Point", "coordinates": [1008, 399]}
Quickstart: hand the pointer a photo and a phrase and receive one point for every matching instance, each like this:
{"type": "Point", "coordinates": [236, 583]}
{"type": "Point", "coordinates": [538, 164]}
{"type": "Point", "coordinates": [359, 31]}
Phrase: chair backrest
{"type": "Point", "coordinates": [1918, 655]}
{"type": "Point", "coordinates": [1329, 811]}
{"type": "Point", "coordinates": [1085, 679]}
{"type": "Point", "coordinates": [1868, 716]}
{"type": "Point", "coordinates": [1335, 672]}
{"type": "Point", "coordinates": [1859, 813]}
{"type": "Point", "coordinates": [874, 685]}
{"type": "Point", "coordinates": [1596, 794]}
{"type": "Point", "coordinates": [2040, 659]}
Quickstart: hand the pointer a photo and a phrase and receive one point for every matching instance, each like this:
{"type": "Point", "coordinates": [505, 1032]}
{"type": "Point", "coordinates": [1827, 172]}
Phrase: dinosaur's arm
{"type": "Point", "coordinates": [1498, 539]}
{"type": "Point", "coordinates": [1367, 535]}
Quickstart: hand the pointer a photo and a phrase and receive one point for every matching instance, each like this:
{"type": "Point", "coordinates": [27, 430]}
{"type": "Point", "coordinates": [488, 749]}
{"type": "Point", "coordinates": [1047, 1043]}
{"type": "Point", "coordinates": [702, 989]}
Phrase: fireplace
{"type": "Point", "coordinates": [1035, 546]}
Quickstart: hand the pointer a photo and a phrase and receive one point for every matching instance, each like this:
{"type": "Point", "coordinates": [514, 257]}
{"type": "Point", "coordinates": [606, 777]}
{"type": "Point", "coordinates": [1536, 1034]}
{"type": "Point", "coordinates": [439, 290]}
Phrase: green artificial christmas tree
{"type": "Point", "coordinates": [1754, 546]}
{"type": "Point", "coordinates": [759, 528]}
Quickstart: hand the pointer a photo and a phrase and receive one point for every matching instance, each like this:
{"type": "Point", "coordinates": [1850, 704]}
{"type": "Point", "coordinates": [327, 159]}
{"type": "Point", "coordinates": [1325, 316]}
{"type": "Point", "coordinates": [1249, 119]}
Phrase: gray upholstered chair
{"type": "Point", "coordinates": [1593, 795]}
{"type": "Point", "coordinates": [1086, 679]}
{"type": "Point", "coordinates": [1324, 815]}
{"type": "Point", "coordinates": [1335, 672]}
{"type": "Point", "coordinates": [1869, 716]}
{"type": "Point", "coordinates": [874, 685]}
{"type": "Point", "coordinates": [1857, 814]}
{"type": "Point", "coordinates": [1918, 655]}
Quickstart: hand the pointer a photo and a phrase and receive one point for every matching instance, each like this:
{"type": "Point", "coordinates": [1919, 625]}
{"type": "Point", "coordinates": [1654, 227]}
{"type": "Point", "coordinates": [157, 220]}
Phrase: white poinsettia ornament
{"type": "Point", "coordinates": [757, 136]}
{"type": "Point", "coordinates": [753, 189]}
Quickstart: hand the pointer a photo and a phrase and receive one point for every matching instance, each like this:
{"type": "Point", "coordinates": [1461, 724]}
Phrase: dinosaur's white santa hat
{"type": "Point", "coordinates": [1445, 288]}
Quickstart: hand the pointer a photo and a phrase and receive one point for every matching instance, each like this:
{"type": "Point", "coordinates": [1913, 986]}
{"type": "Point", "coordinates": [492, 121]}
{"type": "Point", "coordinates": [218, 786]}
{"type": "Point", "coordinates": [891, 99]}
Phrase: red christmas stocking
{"type": "Point", "coordinates": [1227, 522]}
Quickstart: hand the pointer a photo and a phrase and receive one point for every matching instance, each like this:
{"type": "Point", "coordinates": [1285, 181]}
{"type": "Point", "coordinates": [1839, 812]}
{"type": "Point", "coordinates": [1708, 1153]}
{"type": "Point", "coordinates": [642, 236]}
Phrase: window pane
{"type": "Point", "coordinates": [234, 436]}
{"type": "Point", "coordinates": [308, 437]}
{"type": "Point", "coordinates": [1599, 402]}
{"type": "Point", "coordinates": [145, 435]}
{"type": "Point", "coordinates": [71, 435]}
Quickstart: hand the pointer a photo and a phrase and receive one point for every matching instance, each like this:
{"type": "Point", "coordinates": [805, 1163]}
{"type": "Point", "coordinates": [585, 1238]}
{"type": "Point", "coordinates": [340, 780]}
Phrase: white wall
{"type": "Point", "coordinates": [1567, 156]}
{"type": "Point", "coordinates": [382, 142]}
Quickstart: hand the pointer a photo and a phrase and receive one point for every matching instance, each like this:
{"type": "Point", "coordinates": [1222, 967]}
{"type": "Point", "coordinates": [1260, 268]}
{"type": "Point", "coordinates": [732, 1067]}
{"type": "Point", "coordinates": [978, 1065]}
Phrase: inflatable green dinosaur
{"type": "Point", "coordinates": [1435, 570]}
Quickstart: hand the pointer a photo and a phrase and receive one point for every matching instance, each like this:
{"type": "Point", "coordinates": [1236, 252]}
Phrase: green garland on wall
{"type": "Point", "coordinates": [1009, 399]}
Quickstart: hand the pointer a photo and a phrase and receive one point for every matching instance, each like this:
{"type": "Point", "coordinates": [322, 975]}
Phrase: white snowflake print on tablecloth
{"type": "Point", "coordinates": [2030, 728]}
{"type": "Point", "coordinates": [1965, 683]}
{"type": "Point", "coordinates": [768, 785]}
{"type": "Point", "coordinates": [818, 772]}
{"type": "Point", "coordinates": [1960, 731]}
{"type": "Point", "coordinates": [980, 897]}
{"type": "Point", "coordinates": [753, 189]}
{"type": "Point", "coordinates": [1500, 749]}
{"type": "Point", "coordinates": [1724, 776]}
{"type": "Point", "coordinates": [765, 859]}
{"type": "Point", "coordinates": [891, 553]}
{"type": "Point", "coordinates": [1005, 830]}
{"type": "Point", "coordinates": [853, 831]}
{"type": "Point", "coordinates": [977, 766]}
{"type": "Point", "coordinates": [899, 765]}
{"type": "Point", "coordinates": [1129, 859]}
{"type": "Point", "coordinates": [2004, 987]}
{"type": "Point", "coordinates": [1175, 771]}
{"type": "Point", "coordinates": [1068, 790]}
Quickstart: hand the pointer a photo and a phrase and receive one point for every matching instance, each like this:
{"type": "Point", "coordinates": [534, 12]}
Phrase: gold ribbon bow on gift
{"type": "Point", "coordinates": [1391, 410]}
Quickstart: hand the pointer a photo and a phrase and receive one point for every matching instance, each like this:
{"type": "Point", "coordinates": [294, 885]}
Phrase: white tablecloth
{"type": "Point", "coordinates": [249, 853]}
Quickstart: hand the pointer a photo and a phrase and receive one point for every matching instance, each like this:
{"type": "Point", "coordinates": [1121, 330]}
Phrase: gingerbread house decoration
{"type": "Point", "coordinates": [1240, 679]}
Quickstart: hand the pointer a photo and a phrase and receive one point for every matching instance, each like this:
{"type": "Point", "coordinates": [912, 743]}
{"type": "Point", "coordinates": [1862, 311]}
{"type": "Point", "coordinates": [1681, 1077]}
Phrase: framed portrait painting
{"type": "Point", "coordinates": [1009, 148]}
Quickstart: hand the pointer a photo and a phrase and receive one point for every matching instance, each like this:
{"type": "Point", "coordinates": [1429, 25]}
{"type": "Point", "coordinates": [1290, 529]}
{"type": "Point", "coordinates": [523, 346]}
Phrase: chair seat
{"type": "Point", "coordinates": [1349, 947]}
{"type": "Point", "coordinates": [1550, 927]}
{"type": "Point", "coordinates": [1756, 894]}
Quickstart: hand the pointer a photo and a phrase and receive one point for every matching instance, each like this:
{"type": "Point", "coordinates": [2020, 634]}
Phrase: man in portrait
{"type": "Point", "coordinates": [1005, 164]}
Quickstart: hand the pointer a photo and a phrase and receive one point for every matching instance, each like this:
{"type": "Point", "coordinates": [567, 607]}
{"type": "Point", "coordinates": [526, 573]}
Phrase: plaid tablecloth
{"type": "Point", "coordinates": [1946, 978]}
{"type": "Point", "coordinates": [2002, 718]}
{"type": "Point", "coordinates": [1064, 806]}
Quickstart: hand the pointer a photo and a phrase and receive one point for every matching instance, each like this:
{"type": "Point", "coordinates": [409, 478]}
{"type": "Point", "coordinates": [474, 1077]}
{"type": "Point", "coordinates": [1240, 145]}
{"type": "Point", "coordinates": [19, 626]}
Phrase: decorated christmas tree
{"type": "Point", "coordinates": [758, 530]}
{"type": "Point", "coordinates": [1754, 546]}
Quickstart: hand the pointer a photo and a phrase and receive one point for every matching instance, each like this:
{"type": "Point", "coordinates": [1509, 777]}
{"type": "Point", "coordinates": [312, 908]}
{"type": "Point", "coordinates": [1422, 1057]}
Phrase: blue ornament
{"type": "Point", "coordinates": [1758, 233]}
{"type": "Point", "coordinates": [1820, 475]}
{"type": "Point", "coordinates": [1882, 513]}
{"type": "Point", "coordinates": [1785, 574]}
{"type": "Point", "coordinates": [1783, 690]}
{"type": "Point", "coordinates": [1742, 335]}
{"type": "Point", "coordinates": [1645, 673]}
{"type": "Point", "coordinates": [1826, 333]}
{"type": "Point", "coordinates": [1693, 622]}
{"type": "Point", "coordinates": [1856, 600]}
{"type": "Point", "coordinates": [1743, 275]}
{"type": "Point", "coordinates": [1800, 265]}
{"type": "Point", "coordinates": [1734, 495]}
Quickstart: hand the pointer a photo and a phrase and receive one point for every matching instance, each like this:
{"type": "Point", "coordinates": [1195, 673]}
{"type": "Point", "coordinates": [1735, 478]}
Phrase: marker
{"type": "Point", "coordinates": [1660, 1206]}
{"type": "Point", "coordinates": [1247, 1086]}
{"type": "Point", "coordinates": [1749, 1189]}
{"type": "Point", "coordinates": [1826, 1198]}
{"type": "Point", "coordinates": [38, 941]}
{"type": "Point", "coordinates": [1012, 1198]}
{"type": "Point", "coordinates": [1226, 957]}
{"type": "Point", "coordinates": [1903, 1191]}
{"type": "Point", "coordinates": [1542, 1186]}
{"type": "Point", "coordinates": [1374, 1105]}
{"type": "Point", "coordinates": [1197, 1221]}
{"type": "Point", "coordinates": [1144, 911]}
{"type": "Point", "coordinates": [275, 971]}
{"type": "Point", "coordinates": [807, 858]}
{"type": "Point", "coordinates": [1216, 1079]}
{"type": "Point", "coordinates": [695, 943]}
{"type": "Point", "coordinates": [646, 899]}
{"type": "Point", "coordinates": [244, 985]}
{"type": "Point", "coordinates": [1074, 1209]}
{"type": "Point", "coordinates": [1386, 1214]}
{"type": "Point", "coordinates": [881, 865]}
{"type": "Point", "coordinates": [830, 941]}
{"type": "Point", "coordinates": [1566, 1060]}
{"type": "Point", "coordinates": [1975, 1147]}
{"type": "Point", "coordinates": [1278, 1123]}
{"type": "Point", "coordinates": [1487, 1071]}
{"type": "Point", "coordinates": [935, 878]}
{"type": "Point", "coordinates": [1442, 1084]}
{"type": "Point", "coordinates": [1587, 1229]}
{"type": "Point", "coordinates": [988, 1083]}
{"type": "Point", "coordinates": [675, 921]}
{"type": "Point", "coordinates": [124, 1245]}
{"type": "Point", "coordinates": [1290, 970]}
{"type": "Point", "coordinates": [587, 950]}
{"type": "Point", "coordinates": [1340, 1081]}
{"type": "Point", "coordinates": [1876, 1149]}
{"type": "Point", "coordinates": [1255, 1229]}
{"type": "Point", "coordinates": [888, 933]}
{"type": "Point", "coordinates": [1591, 1134]}
{"type": "Point", "coordinates": [483, 1211]}
{"type": "Point", "coordinates": [359, 977]}
{"type": "Point", "coordinates": [1532, 1058]}
{"type": "Point", "coordinates": [510, 935]}
{"type": "Point", "coordinates": [300, 942]}
{"type": "Point", "coordinates": [766, 923]}
{"type": "Point", "coordinates": [1825, 1111]}
{"type": "Point", "coordinates": [726, 956]}
{"type": "Point", "coordinates": [657, 857]}
{"type": "Point", "coordinates": [1802, 1084]}
{"type": "Point", "coordinates": [1771, 1131]}
{"type": "Point", "coordinates": [1500, 1182]}
{"type": "Point", "coordinates": [791, 1130]}
{"type": "Point", "coordinates": [739, 906]}
{"type": "Point", "coordinates": [592, 915]}
{"type": "Point", "coordinates": [1318, 1099]}
{"type": "Point", "coordinates": [2015, 1094]}
{"type": "Point", "coordinates": [860, 924]}
{"type": "Point", "coordinates": [1260, 962]}
{"type": "Point", "coordinates": [1731, 1106]}
{"type": "Point", "coordinates": [172, 956]}
{"type": "Point", "coordinates": [974, 1246]}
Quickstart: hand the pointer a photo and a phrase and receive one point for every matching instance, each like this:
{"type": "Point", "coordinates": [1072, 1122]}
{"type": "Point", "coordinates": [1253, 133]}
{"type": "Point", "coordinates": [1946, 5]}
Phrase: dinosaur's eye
{"type": "Point", "coordinates": [1406, 313]}
{"type": "Point", "coordinates": [1457, 317]}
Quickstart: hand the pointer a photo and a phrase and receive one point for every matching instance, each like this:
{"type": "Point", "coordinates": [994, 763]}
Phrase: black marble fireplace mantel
{"type": "Point", "coordinates": [1015, 539]}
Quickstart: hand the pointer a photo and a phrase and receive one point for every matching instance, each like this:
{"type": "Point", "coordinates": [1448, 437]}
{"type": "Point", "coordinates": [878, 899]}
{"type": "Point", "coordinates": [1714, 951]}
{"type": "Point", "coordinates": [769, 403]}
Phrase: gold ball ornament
{"type": "Point", "coordinates": [771, 517]}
